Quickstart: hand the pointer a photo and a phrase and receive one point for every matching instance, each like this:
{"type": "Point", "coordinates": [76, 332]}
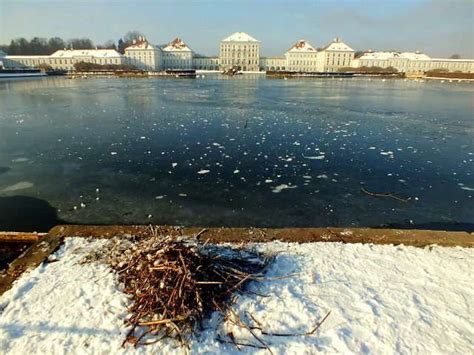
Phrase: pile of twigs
{"type": "Point", "coordinates": [174, 285]}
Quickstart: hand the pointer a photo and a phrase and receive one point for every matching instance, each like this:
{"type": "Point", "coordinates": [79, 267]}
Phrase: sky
{"type": "Point", "coordinates": [438, 28]}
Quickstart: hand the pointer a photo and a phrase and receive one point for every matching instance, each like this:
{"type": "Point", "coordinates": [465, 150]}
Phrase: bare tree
{"type": "Point", "coordinates": [131, 35]}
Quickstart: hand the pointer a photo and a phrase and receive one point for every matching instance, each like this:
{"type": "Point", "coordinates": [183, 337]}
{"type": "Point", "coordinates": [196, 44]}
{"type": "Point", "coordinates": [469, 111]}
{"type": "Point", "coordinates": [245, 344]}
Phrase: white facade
{"type": "Point", "coordinates": [2, 59]}
{"type": "Point", "coordinates": [65, 59]}
{"type": "Point", "coordinates": [143, 55]}
{"type": "Point", "coordinates": [240, 50]}
{"type": "Point", "coordinates": [273, 63]}
{"type": "Point", "coordinates": [206, 63]}
{"type": "Point", "coordinates": [25, 61]}
{"type": "Point", "coordinates": [177, 55]}
{"type": "Point", "coordinates": [334, 56]}
{"type": "Point", "coordinates": [302, 57]}
{"type": "Point", "coordinates": [412, 62]}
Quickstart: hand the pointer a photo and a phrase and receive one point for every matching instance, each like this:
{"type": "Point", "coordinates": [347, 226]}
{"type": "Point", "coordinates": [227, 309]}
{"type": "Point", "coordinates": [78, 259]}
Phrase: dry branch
{"type": "Point", "coordinates": [385, 194]}
{"type": "Point", "coordinates": [174, 285]}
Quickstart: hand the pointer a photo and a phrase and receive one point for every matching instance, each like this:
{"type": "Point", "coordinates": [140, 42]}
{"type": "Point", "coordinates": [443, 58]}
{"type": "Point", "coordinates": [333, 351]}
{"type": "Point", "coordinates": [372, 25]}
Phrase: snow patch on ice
{"type": "Point", "coordinates": [280, 188]}
{"type": "Point", "coordinates": [317, 157]}
{"type": "Point", "coordinates": [20, 160]}
{"type": "Point", "coordinates": [22, 185]}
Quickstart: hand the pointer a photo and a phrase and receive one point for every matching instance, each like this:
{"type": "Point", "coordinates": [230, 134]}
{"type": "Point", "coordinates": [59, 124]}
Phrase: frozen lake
{"type": "Point", "coordinates": [236, 152]}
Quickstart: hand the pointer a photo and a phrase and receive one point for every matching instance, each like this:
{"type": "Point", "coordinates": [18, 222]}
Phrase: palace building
{"type": "Point", "coordinates": [143, 55]}
{"type": "Point", "coordinates": [240, 50]}
{"type": "Point", "coordinates": [302, 57]}
{"type": "Point", "coordinates": [412, 62]}
{"type": "Point", "coordinates": [65, 59]}
{"type": "Point", "coordinates": [177, 55]}
{"type": "Point", "coordinates": [334, 56]}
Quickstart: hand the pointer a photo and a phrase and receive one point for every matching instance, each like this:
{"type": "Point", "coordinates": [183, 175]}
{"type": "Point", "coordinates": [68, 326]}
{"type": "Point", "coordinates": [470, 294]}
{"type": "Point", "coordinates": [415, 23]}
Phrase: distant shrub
{"type": "Point", "coordinates": [44, 67]}
{"type": "Point", "coordinates": [449, 75]}
{"type": "Point", "coordinates": [438, 70]}
{"type": "Point", "coordinates": [371, 70]}
{"type": "Point", "coordinates": [84, 66]}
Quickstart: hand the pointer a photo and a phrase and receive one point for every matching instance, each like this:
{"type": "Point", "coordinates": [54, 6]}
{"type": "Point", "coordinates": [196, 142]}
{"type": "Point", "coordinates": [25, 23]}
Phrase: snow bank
{"type": "Point", "coordinates": [383, 299]}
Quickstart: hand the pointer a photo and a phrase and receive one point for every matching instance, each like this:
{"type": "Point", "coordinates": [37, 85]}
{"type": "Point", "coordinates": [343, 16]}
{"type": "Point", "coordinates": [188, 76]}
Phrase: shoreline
{"type": "Point", "coordinates": [275, 75]}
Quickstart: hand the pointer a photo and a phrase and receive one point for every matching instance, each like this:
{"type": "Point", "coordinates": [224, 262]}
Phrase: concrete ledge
{"type": "Point", "coordinates": [20, 237]}
{"type": "Point", "coordinates": [419, 238]}
{"type": "Point", "coordinates": [29, 260]}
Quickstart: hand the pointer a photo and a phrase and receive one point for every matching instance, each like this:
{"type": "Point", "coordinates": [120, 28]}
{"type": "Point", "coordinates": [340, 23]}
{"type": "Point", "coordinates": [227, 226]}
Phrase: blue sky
{"type": "Point", "coordinates": [438, 28]}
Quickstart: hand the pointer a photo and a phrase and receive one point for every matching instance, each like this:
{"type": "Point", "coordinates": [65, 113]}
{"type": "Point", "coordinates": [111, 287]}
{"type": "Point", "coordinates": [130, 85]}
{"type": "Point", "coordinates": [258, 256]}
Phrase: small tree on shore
{"type": "Point", "coordinates": [85, 66]}
{"type": "Point", "coordinates": [44, 67]}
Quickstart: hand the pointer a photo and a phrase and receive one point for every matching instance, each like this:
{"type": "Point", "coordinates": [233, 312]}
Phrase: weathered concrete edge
{"type": "Point", "coordinates": [20, 237]}
{"type": "Point", "coordinates": [418, 238]}
{"type": "Point", "coordinates": [29, 260]}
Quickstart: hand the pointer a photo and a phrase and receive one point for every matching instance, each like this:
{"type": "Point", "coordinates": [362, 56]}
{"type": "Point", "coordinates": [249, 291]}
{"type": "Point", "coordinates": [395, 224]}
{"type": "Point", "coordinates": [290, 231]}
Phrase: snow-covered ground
{"type": "Point", "coordinates": [382, 299]}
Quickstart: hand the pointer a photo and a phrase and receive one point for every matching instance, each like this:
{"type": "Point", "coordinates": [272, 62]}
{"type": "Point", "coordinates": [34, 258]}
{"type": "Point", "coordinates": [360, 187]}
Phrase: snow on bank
{"type": "Point", "coordinates": [383, 299]}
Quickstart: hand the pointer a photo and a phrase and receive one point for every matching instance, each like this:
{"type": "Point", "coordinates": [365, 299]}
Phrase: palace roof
{"type": "Point", "coordinates": [140, 43]}
{"type": "Point", "coordinates": [100, 53]}
{"type": "Point", "coordinates": [395, 55]}
{"type": "Point", "coordinates": [239, 37]}
{"type": "Point", "coordinates": [177, 45]}
{"type": "Point", "coordinates": [302, 46]}
{"type": "Point", "coordinates": [338, 45]}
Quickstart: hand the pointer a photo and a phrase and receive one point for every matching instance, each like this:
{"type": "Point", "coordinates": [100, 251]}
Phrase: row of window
{"type": "Point", "coordinates": [415, 64]}
{"type": "Point", "coordinates": [302, 62]}
{"type": "Point", "coordinates": [253, 51]}
{"type": "Point", "coordinates": [275, 68]}
{"type": "Point", "coordinates": [338, 62]}
{"type": "Point", "coordinates": [72, 61]}
{"type": "Point", "coordinates": [253, 47]}
{"type": "Point", "coordinates": [303, 55]}
{"type": "Point", "coordinates": [240, 55]}
{"type": "Point", "coordinates": [238, 62]}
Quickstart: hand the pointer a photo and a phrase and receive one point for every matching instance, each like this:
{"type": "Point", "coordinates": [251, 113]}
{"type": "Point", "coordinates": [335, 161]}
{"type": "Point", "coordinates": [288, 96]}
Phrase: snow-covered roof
{"type": "Point", "coordinates": [239, 37]}
{"type": "Point", "coordinates": [302, 46]}
{"type": "Point", "coordinates": [177, 45]}
{"type": "Point", "coordinates": [338, 45]}
{"type": "Point", "coordinates": [452, 60]}
{"type": "Point", "coordinates": [414, 56]}
{"type": "Point", "coordinates": [140, 43]}
{"type": "Point", "coordinates": [395, 55]}
{"type": "Point", "coordinates": [20, 56]}
{"type": "Point", "coordinates": [99, 53]}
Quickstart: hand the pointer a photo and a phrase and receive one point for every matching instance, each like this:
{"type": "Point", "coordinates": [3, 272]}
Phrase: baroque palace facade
{"type": "Point", "coordinates": [242, 51]}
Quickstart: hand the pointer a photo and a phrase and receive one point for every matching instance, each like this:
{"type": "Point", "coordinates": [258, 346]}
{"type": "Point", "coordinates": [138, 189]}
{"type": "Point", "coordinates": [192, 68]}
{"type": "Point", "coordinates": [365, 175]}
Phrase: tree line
{"type": "Point", "coordinates": [47, 46]}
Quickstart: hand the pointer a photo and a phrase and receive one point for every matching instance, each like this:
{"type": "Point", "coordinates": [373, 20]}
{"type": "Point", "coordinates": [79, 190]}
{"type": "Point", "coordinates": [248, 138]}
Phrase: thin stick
{"type": "Point", "coordinates": [201, 232]}
{"type": "Point", "coordinates": [298, 334]}
{"type": "Point", "coordinates": [243, 325]}
{"type": "Point", "coordinates": [385, 194]}
{"type": "Point", "coordinates": [262, 278]}
{"type": "Point", "coordinates": [209, 282]}
{"type": "Point", "coordinates": [162, 321]}
{"type": "Point", "coordinates": [219, 339]}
